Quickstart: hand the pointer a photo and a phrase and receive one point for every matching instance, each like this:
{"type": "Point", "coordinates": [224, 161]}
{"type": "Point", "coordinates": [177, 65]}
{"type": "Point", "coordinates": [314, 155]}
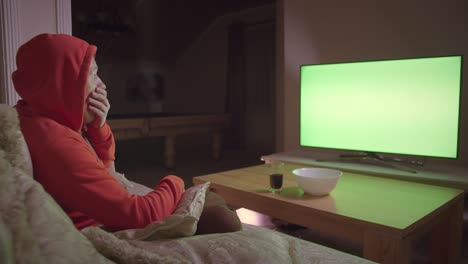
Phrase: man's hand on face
{"type": "Point", "coordinates": [99, 105]}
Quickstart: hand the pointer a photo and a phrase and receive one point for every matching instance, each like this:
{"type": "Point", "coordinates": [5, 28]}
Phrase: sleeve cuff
{"type": "Point", "coordinates": [98, 134]}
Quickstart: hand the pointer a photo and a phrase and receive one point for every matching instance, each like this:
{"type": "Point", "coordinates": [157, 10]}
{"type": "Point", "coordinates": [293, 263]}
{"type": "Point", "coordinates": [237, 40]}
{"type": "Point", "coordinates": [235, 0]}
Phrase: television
{"type": "Point", "coordinates": [398, 106]}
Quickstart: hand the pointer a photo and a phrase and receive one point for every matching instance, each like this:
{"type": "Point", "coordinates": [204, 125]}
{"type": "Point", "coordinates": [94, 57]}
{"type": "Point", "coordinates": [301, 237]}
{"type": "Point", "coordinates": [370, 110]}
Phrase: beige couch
{"type": "Point", "coordinates": [34, 229]}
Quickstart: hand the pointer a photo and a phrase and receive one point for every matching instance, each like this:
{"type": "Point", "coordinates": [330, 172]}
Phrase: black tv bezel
{"type": "Point", "coordinates": [381, 60]}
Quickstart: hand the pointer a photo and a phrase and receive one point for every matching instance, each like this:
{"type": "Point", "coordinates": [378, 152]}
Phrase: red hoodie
{"type": "Point", "coordinates": [51, 78]}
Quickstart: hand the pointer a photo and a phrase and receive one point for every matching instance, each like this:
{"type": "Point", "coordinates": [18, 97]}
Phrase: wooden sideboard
{"type": "Point", "coordinates": [170, 126]}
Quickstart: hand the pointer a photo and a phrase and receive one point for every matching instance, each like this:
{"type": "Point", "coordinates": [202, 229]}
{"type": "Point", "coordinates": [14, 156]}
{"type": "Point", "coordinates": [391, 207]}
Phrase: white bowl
{"type": "Point", "coordinates": [317, 181]}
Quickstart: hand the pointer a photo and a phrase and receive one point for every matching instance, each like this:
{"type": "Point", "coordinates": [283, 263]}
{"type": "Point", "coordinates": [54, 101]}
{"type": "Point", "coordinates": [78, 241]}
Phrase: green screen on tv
{"type": "Point", "coordinates": [403, 106]}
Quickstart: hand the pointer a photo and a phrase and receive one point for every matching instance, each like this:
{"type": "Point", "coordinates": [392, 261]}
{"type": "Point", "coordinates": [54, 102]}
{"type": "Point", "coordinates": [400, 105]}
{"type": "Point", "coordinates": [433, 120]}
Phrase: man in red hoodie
{"type": "Point", "coordinates": [63, 119]}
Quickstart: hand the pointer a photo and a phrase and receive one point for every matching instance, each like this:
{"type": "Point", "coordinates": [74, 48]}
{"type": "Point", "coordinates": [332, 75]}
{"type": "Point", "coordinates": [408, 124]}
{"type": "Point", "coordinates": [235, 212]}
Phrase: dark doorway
{"type": "Point", "coordinates": [251, 86]}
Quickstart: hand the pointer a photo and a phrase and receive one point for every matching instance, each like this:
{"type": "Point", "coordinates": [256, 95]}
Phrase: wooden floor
{"type": "Point", "coordinates": [142, 161]}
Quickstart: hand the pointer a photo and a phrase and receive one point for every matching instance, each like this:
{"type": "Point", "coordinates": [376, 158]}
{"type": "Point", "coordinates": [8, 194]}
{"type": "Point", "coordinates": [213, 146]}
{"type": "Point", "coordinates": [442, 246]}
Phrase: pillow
{"type": "Point", "coordinates": [6, 251]}
{"type": "Point", "coordinates": [40, 230]}
{"type": "Point", "coordinates": [182, 223]}
{"type": "Point", "coordinates": [12, 140]}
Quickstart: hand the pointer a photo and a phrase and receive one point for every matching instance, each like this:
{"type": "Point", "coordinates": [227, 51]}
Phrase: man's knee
{"type": "Point", "coordinates": [218, 219]}
{"type": "Point", "coordinates": [213, 199]}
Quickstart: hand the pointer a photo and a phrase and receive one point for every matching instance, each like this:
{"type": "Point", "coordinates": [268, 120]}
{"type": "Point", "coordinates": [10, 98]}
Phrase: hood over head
{"type": "Point", "coordinates": [52, 71]}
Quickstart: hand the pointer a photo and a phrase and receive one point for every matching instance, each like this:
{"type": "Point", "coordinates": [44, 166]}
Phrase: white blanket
{"type": "Point", "coordinates": [41, 232]}
{"type": "Point", "coordinates": [252, 245]}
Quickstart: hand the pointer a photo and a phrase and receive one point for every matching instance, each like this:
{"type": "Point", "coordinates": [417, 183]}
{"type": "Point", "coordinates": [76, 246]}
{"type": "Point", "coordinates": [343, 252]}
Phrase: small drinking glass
{"type": "Point", "coordinates": [276, 171]}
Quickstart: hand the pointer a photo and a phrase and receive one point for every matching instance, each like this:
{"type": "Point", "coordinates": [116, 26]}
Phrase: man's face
{"type": "Point", "coordinates": [92, 83]}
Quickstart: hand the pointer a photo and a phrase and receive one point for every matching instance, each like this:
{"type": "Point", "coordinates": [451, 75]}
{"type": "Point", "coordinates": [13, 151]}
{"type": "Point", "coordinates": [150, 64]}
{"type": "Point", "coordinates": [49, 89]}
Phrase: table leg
{"type": "Point", "coordinates": [169, 151]}
{"type": "Point", "coordinates": [384, 248]}
{"type": "Point", "coordinates": [217, 142]}
{"type": "Point", "coordinates": [446, 237]}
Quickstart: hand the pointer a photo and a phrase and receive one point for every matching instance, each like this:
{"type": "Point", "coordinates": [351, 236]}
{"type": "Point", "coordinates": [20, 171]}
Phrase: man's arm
{"type": "Point", "coordinates": [98, 131]}
{"type": "Point", "coordinates": [102, 141]}
{"type": "Point", "coordinates": [78, 181]}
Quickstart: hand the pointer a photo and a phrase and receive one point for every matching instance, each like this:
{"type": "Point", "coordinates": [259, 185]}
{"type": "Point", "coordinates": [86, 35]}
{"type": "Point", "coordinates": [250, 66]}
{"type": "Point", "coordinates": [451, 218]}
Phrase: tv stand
{"type": "Point", "coordinates": [371, 157]}
{"type": "Point", "coordinates": [454, 176]}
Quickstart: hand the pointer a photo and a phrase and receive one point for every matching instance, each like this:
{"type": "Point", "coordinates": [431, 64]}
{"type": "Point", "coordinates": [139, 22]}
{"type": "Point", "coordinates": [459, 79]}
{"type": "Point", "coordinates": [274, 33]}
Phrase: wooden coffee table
{"type": "Point", "coordinates": [383, 215]}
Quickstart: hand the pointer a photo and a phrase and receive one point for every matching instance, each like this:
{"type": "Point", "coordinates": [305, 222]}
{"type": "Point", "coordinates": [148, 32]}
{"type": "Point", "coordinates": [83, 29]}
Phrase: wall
{"type": "Point", "coordinates": [334, 31]}
{"type": "Point", "coordinates": [188, 49]}
{"type": "Point", "coordinates": [36, 17]}
{"type": "Point", "coordinates": [117, 77]}
{"type": "Point", "coordinates": [121, 55]}
{"type": "Point", "coordinates": [197, 81]}
{"type": "Point", "coordinates": [199, 74]}
{"type": "Point", "coordinates": [27, 18]}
